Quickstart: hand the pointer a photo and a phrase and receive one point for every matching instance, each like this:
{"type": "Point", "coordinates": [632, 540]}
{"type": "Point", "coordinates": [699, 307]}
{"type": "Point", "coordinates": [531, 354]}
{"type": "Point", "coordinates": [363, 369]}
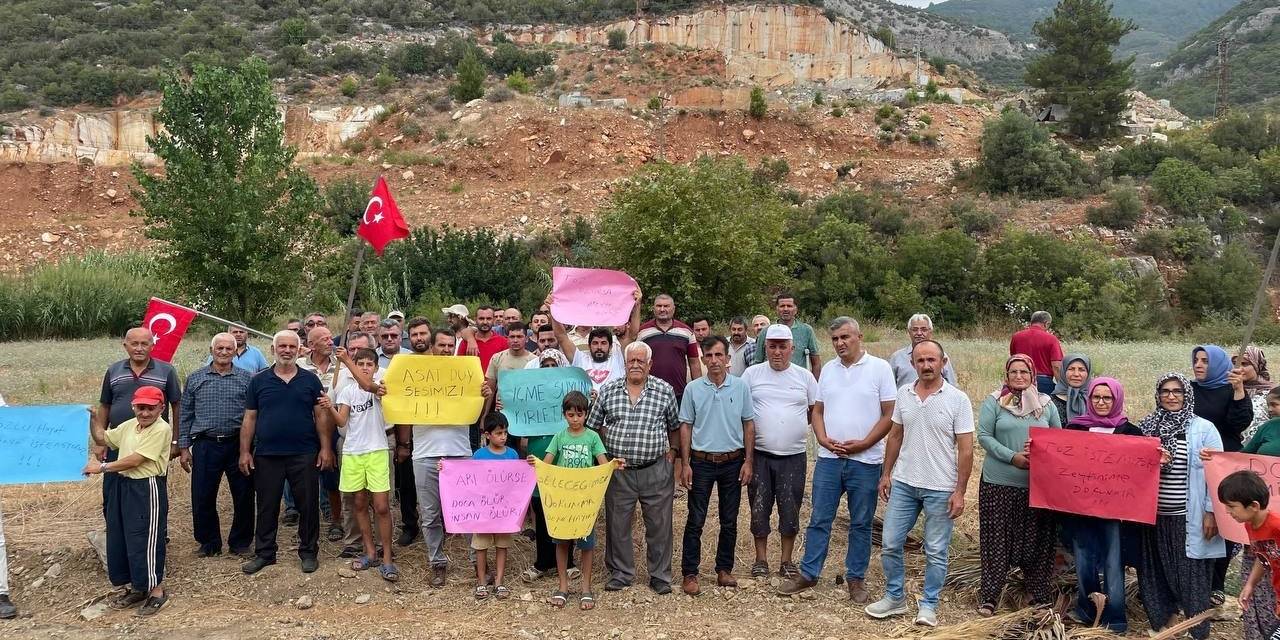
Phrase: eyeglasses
{"type": "Point", "coordinates": [1173, 392]}
{"type": "Point", "coordinates": [317, 323]}
{"type": "Point", "coordinates": [1103, 399]}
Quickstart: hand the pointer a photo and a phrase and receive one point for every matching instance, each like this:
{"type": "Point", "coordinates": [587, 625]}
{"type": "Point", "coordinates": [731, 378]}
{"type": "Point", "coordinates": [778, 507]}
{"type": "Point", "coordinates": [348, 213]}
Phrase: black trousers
{"type": "Point", "coordinates": [210, 461]}
{"type": "Point", "coordinates": [406, 494]}
{"type": "Point", "coordinates": [137, 528]}
{"type": "Point", "coordinates": [544, 557]}
{"type": "Point", "coordinates": [269, 475]}
{"type": "Point", "coordinates": [722, 476]}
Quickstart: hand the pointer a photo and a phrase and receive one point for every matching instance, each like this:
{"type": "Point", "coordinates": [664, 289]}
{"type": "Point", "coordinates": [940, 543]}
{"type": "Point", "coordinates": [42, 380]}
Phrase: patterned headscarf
{"type": "Point", "coordinates": [1029, 401]}
{"type": "Point", "coordinates": [1077, 398]}
{"type": "Point", "coordinates": [1263, 382]}
{"type": "Point", "coordinates": [553, 354]}
{"type": "Point", "coordinates": [1170, 426]}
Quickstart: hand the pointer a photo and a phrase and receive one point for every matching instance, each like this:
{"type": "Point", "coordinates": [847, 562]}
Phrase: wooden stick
{"type": "Point", "coordinates": [1261, 295]}
{"type": "Point", "coordinates": [1178, 629]}
{"type": "Point", "coordinates": [351, 300]}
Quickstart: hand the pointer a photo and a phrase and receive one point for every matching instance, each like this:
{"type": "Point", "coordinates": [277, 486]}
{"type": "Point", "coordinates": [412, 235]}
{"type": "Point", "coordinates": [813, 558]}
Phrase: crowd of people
{"type": "Point", "coordinates": [678, 409]}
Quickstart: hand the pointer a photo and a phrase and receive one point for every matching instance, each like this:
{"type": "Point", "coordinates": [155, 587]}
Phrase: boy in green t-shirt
{"type": "Point", "coordinates": [576, 448]}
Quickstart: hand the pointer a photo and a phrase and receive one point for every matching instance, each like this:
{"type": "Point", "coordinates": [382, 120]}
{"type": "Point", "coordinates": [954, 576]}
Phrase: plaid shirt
{"type": "Point", "coordinates": [636, 432]}
{"type": "Point", "coordinates": [212, 403]}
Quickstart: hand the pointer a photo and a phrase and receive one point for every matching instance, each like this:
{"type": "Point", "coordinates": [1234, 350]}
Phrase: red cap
{"type": "Point", "coordinates": [148, 395]}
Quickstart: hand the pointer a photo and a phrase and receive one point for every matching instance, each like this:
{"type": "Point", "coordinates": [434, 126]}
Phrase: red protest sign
{"type": "Point", "coordinates": [1223, 464]}
{"type": "Point", "coordinates": [1095, 474]}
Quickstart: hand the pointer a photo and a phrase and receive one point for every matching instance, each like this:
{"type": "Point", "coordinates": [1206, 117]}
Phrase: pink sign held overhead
{"type": "Point", "coordinates": [594, 297]}
{"type": "Point", "coordinates": [485, 496]}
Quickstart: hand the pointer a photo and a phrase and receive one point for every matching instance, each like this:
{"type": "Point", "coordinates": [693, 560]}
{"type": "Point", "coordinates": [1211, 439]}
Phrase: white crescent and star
{"type": "Point", "coordinates": [167, 317]}
{"type": "Point", "coordinates": [369, 207]}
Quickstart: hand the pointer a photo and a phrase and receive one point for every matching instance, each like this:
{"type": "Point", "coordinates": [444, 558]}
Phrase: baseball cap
{"type": "Point", "coordinates": [777, 332]}
{"type": "Point", "coordinates": [148, 396]}
{"type": "Point", "coordinates": [457, 310]}
{"type": "Point", "coordinates": [396, 314]}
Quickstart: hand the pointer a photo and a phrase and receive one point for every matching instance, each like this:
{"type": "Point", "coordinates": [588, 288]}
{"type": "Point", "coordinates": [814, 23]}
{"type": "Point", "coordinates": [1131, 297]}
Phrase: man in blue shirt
{"type": "Point", "coordinates": [248, 357]}
{"type": "Point", "coordinates": [717, 438]}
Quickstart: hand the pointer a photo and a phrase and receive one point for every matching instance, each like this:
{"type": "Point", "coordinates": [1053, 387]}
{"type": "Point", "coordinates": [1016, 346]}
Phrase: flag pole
{"type": "Point", "coordinates": [217, 319]}
{"type": "Point", "coordinates": [1262, 294]}
{"type": "Point", "coordinates": [351, 300]}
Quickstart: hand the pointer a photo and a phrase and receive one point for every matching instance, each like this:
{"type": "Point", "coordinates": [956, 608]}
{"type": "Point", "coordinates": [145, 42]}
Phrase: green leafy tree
{"type": "Point", "coordinates": [1018, 156]}
{"type": "Point", "coordinates": [344, 203]}
{"type": "Point", "coordinates": [758, 105]}
{"type": "Point", "coordinates": [1223, 285]}
{"type": "Point", "coordinates": [1079, 69]}
{"type": "Point", "coordinates": [471, 74]}
{"type": "Point", "coordinates": [667, 228]}
{"type": "Point", "coordinates": [384, 80]}
{"type": "Point", "coordinates": [1184, 188]}
{"type": "Point", "coordinates": [233, 216]}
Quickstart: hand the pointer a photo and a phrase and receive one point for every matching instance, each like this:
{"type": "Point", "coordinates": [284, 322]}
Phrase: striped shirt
{"type": "Point", "coordinates": [1172, 500]}
{"type": "Point", "coordinates": [672, 350]}
{"type": "Point", "coordinates": [635, 432]}
{"type": "Point", "coordinates": [120, 383]}
{"type": "Point", "coordinates": [213, 404]}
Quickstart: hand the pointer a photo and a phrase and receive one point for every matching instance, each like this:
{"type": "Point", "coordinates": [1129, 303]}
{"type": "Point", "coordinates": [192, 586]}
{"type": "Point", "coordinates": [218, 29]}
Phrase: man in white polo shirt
{"type": "Point", "coordinates": [851, 417]}
{"type": "Point", "coordinates": [927, 460]}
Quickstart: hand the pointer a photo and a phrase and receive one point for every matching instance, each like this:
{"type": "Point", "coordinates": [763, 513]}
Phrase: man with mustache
{"type": "Point", "coordinates": [601, 359]}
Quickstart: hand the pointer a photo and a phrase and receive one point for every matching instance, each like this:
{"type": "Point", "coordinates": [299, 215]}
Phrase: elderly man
{"type": "Point", "coordinates": [920, 328]}
{"type": "Point", "coordinates": [209, 440]}
{"type": "Point", "coordinates": [927, 461]}
{"type": "Point", "coordinates": [717, 442]}
{"type": "Point", "coordinates": [637, 418]}
{"type": "Point", "coordinates": [321, 361]}
{"type": "Point", "coordinates": [742, 347]}
{"type": "Point", "coordinates": [248, 357]}
{"type": "Point", "coordinates": [758, 325]}
{"type": "Point", "coordinates": [1043, 347]}
{"type": "Point", "coordinates": [858, 388]}
{"type": "Point", "coordinates": [805, 344]}
{"type": "Point", "coordinates": [782, 396]}
{"type": "Point", "coordinates": [427, 445]}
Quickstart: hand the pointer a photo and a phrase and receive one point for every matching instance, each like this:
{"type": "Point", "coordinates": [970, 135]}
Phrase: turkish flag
{"type": "Point", "coordinates": [167, 322]}
{"type": "Point", "coordinates": [382, 221]}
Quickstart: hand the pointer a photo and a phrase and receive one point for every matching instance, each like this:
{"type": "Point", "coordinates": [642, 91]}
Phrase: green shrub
{"type": "Point", "coordinates": [1240, 185]}
{"type": "Point", "coordinates": [384, 80]}
{"type": "Point", "coordinates": [817, 98]}
{"type": "Point", "coordinates": [1140, 160]}
{"type": "Point", "coordinates": [1246, 131]}
{"type": "Point", "coordinates": [771, 171]}
{"type": "Point", "coordinates": [883, 34]}
{"type": "Point", "coordinates": [1184, 188]}
{"type": "Point", "coordinates": [86, 296]}
{"type": "Point", "coordinates": [1019, 157]}
{"type": "Point", "coordinates": [617, 39]}
{"type": "Point", "coordinates": [837, 112]}
{"type": "Point", "coordinates": [344, 202]}
{"type": "Point", "coordinates": [758, 105]}
{"type": "Point", "coordinates": [972, 220]}
{"type": "Point", "coordinates": [1190, 242]}
{"type": "Point", "coordinates": [1223, 285]}
{"type": "Point", "coordinates": [517, 81]}
{"type": "Point", "coordinates": [880, 216]}
{"type": "Point", "coordinates": [1122, 211]}
{"type": "Point", "coordinates": [507, 58]}
{"type": "Point", "coordinates": [349, 86]}
{"type": "Point", "coordinates": [499, 94]}
{"type": "Point", "coordinates": [1157, 243]}
{"type": "Point", "coordinates": [410, 128]}
{"type": "Point", "coordinates": [655, 103]}
{"type": "Point", "coordinates": [945, 266]}
{"type": "Point", "coordinates": [470, 79]}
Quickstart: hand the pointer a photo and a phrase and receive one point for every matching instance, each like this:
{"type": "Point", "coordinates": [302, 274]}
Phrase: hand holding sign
{"type": "Point", "coordinates": [485, 496]}
{"type": "Point", "coordinates": [442, 390]}
{"type": "Point", "coordinates": [530, 398]}
{"type": "Point", "coordinates": [1094, 474]}
{"type": "Point", "coordinates": [594, 297]}
{"type": "Point", "coordinates": [43, 444]}
{"type": "Point", "coordinates": [1220, 464]}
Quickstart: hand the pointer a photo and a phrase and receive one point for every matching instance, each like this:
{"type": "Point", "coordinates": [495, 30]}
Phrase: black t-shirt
{"type": "Point", "coordinates": [286, 424]}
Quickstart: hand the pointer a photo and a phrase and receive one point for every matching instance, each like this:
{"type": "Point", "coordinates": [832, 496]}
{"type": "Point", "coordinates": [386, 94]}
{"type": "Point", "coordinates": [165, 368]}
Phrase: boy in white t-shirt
{"type": "Point", "coordinates": [366, 466]}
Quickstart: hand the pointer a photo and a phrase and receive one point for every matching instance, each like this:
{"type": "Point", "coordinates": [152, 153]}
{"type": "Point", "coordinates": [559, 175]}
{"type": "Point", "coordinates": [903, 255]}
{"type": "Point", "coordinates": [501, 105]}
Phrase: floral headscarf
{"type": "Point", "coordinates": [1029, 401]}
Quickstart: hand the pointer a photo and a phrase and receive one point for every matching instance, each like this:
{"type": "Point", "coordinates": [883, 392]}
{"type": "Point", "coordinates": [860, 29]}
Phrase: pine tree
{"type": "Point", "coordinates": [471, 76]}
{"type": "Point", "coordinates": [1079, 69]}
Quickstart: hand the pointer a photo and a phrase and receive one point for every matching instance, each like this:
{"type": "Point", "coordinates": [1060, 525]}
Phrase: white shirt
{"type": "Point", "coordinates": [781, 400]}
{"type": "Point", "coordinates": [437, 441]}
{"type": "Point", "coordinates": [851, 398]}
{"type": "Point", "coordinates": [612, 368]}
{"type": "Point", "coordinates": [927, 459]}
{"type": "Point", "coordinates": [366, 429]}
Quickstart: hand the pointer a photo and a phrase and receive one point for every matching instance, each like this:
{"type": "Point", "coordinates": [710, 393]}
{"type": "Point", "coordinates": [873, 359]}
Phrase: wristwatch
{"type": "Point", "coordinates": [102, 468]}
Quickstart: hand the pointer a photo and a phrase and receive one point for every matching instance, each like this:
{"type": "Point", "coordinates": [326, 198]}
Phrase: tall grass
{"type": "Point", "coordinates": [78, 297]}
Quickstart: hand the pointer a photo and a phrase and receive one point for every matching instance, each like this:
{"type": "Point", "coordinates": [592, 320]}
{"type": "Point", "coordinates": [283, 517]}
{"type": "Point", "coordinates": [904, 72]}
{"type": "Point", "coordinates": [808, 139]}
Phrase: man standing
{"type": "Point", "coordinates": [717, 440]}
{"type": "Point", "coordinates": [516, 356]}
{"type": "Point", "coordinates": [920, 328]}
{"type": "Point", "coordinates": [286, 434]}
{"type": "Point", "coordinates": [389, 342]}
{"type": "Point", "coordinates": [482, 341]}
{"type": "Point", "coordinates": [805, 344]}
{"type": "Point", "coordinates": [248, 357]}
{"type": "Point", "coordinates": [636, 417]}
{"type": "Point", "coordinates": [858, 388]}
{"type": "Point", "coordinates": [209, 440]}
{"type": "Point", "coordinates": [601, 359]}
{"type": "Point", "coordinates": [427, 445]}
{"type": "Point", "coordinates": [369, 322]}
{"type": "Point", "coordinates": [675, 352]}
{"type": "Point", "coordinates": [701, 328]}
{"type": "Point", "coordinates": [758, 325]}
{"type": "Point", "coordinates": [321, 361]}
{"type": "Point", "coordinates": [926, 467]}
{"type": "Point", "coordinates": [782, 397]}
{"type": "Point", "coordinates": [1043, 347]}
{"type": "Point", "coordinates": [742, 348]}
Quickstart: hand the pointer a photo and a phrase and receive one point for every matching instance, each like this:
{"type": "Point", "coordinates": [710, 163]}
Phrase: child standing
{"type": "Point", "coordinates": [576, 448]}
{"type": "Point", "coordinates": [495, 433]}
{"type": "Point", "coordinates": [1246, 496]}
{"type": "Point", "coordinates": [366, 465]}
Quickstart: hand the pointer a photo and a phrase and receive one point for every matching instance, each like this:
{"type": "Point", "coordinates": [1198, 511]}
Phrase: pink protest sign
{"type": "Point", "coordinates": [595, 297]}
{"type": "Point", "coordinates": [485, 496]}
{"type": "Point", "coordinates": [1223, 464]}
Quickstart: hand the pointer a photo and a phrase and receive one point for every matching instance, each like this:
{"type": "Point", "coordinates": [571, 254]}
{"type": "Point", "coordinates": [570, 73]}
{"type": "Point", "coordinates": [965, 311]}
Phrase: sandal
{"type": "Point", "coordinates": [501, 592]}
{"type": "Point", "coordinates": [789, 570]}
{"type": "Point", "coordinates": [128, 600]}
{"type": "Point", "coordinates": [336, 533]}
{"type": "Point", "coordinates": [1218, 598]}
{"type": "Point", "coordinates": [389, 572]}
{"type": "Point", "coordinates": [760, 570]}
{"type": "Point", "coordinates": [482, 592]}
{"type": "Point", "coordinates": [362, 563]}
{"type": "Point", "coordinates": [587, 602]}
{"type": "Point", "coordinates": [532, 574]}
{"type": "Point", "coordinates": [559, 599]}
{"type": "Point", "coordinates": [986, 610]}
{"type": "Point", "coordinates": [573, 573]}
{"type": "Point", "coordinates": [152, 606]}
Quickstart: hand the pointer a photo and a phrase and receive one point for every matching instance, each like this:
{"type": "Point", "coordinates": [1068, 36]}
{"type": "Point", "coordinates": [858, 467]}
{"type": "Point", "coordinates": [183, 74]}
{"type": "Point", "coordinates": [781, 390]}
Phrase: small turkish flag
{"type": "Point", "coordinates": [167, 322]}
{"type": "Point", "coordinates": [382, 221]}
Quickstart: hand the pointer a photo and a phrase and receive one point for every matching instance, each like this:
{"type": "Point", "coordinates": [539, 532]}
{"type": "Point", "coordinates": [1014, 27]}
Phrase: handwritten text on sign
{"type": "Point", "coordinates": [571, 498]}
{"type": "Point", "coordinates": [1095, 474]}
{"type": "Point", "coordinates": [485, 496]}
{"type": "Point", "coordinates": [594, 297]}
{"type": "Point", "coordinates": [433, 390]}
{"type": "Point", "coordinates": [531, 398]}
{"type": "Point", "coordinates": [1224, 464]}
{"type": "Point", "coordinates": [43, 444]}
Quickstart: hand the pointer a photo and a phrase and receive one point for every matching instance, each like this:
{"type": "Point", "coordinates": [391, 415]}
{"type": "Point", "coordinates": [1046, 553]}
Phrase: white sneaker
{"type": "Point", "coordinates": [886, 607]}
{"type": "Point", "coordinates": [927, 616]}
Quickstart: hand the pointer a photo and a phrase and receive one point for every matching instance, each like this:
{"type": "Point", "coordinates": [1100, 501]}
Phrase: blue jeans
{"type": "Point", "coordinates": [1096, 545]}
{"type": "Point", "coordinates": [905, 504]}
{"type": "Point", "coordinates": [834, 478]}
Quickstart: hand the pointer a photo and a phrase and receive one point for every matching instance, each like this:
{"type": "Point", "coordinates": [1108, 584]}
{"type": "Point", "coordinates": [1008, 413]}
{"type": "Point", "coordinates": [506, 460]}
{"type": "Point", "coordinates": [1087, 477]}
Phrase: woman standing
{"type": "Point", "coordinates": [1257, 382]}
{"type": "Point", "coordinates": [1011, 533]}
{"type": "Point", "coordinates": [1071, 394]}
{"type": "Point", "coordinates": [1178, 553]}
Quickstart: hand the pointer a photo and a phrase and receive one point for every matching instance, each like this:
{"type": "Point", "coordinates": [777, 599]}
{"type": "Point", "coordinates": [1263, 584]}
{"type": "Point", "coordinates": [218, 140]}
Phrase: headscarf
{"type": "Point", "coordinates": [1170, 426]}
{"type": "Point", "coordinates": [1029, 401]}
{"type": "Point", "coordinates": [1091, 418]}
{"type": "Point", "coordinates": [1263, 382]}
{"type": "Point", "coordinates": [1077, 398]}
{"type": "Point", "coordinates": [1219, 366]}
{"type": "Point", "coordinates": [554, 354]}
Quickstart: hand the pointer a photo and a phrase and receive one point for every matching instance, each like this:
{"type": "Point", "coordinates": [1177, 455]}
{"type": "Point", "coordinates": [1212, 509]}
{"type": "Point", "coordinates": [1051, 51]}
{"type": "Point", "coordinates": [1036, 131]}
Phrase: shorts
{"type": "Point", "coordinates": [584, 544]}
{"type": "Point", "coordinates": [777, 480]}
{"type": "Point", "coordinates": [365, 471]}
{"type": "Point", "coordinates": [486, 541]}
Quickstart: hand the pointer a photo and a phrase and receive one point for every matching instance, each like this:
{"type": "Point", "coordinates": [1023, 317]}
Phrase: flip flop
{"type": "Point", "coordinates": [389, 572]}
{"type": "Point", "coordinates": [362, 563]}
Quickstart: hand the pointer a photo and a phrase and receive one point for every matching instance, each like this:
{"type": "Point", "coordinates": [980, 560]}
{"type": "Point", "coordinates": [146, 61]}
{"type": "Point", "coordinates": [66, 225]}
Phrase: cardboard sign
{"type": "Point", "coordinates": [1223, 464]}
{"type": "Point", "coordinates": [485, 496]}
{"type": "Point", "coordinates": [437, 390]}
{"type": "Point", "coordinates": [43, 444]}
{"type": "Point", "coordinates": [1095, 474]}
{"type": "Point", "coordinates": [531, 398]}
{"type": "Point", "coordinates": [594, 297]}
{"type": "Point", "coordinates": [571, 498]}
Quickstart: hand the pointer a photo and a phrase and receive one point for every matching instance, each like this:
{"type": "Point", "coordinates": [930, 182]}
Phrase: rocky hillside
{"type": "Point", "coordinates": [1189, 77]}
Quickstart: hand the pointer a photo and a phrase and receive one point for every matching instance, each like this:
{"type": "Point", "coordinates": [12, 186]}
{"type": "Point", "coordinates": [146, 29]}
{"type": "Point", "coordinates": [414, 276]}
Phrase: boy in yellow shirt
{"type": "Point", "coordinates": [137, 508]}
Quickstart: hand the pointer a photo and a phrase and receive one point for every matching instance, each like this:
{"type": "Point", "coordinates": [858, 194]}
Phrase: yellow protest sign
{"type": "Point", "coordinates": [571, 498]}
{"type": "Point", "coordinates": [441, 390]}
